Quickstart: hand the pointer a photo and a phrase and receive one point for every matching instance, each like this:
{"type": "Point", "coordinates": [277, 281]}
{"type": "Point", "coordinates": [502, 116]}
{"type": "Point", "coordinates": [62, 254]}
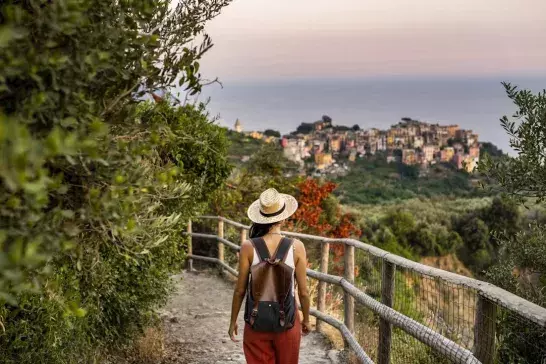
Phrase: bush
{"type": "Point", "coordinates": [94, 186]}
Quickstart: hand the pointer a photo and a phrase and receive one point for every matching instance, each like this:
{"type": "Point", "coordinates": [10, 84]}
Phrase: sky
{"type": "Point", "coordinates": [314, 39]}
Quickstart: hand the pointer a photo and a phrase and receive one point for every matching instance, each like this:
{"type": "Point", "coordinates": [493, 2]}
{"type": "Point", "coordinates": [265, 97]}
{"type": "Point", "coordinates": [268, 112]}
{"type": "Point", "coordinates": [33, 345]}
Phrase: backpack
{"type": "Point", "coordinates": [270, 303]}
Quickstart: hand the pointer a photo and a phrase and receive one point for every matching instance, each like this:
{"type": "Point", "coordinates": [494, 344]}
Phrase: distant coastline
{"type": "Point", "coordinates": [472, 103]}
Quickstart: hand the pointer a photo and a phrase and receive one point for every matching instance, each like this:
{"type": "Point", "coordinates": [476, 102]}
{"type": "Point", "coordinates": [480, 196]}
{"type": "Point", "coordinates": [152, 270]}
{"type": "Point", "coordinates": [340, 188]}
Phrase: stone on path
{"type": "Point", "coordinates": [196, 321]}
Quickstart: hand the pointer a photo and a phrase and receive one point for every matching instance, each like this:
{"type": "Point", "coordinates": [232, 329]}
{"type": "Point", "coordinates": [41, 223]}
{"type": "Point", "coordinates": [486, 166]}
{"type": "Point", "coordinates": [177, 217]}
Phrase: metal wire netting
{"type": "Point", "coordinates": [493, 333]}
{"type": "Point", "coordinates": [368, 280]}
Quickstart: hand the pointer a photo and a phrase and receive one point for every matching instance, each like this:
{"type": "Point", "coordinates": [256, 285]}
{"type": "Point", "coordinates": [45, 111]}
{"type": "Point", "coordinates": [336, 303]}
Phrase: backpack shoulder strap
{"type": "Point", "coordinates": [284, 247]}
{"type": "Point", "coordinates": [261, 248]}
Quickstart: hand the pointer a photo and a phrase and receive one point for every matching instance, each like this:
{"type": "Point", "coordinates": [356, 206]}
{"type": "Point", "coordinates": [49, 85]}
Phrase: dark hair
{"type": "Point", "coordinates": [259, 230]}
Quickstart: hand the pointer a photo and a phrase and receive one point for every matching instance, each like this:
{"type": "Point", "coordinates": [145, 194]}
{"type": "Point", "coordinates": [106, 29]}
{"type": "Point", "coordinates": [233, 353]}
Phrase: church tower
{"type": "Point", "coordinates": [238, 126]}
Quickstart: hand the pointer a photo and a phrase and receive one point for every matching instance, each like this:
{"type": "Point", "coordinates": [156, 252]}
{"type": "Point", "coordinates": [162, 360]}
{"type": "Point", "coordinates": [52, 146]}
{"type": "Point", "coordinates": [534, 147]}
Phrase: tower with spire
{"type": "Point", "coordinates": [238, 126]}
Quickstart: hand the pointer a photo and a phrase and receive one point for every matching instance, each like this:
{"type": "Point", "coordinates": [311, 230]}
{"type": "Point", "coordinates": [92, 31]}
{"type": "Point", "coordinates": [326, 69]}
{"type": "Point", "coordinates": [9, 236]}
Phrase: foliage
{"type": "Point", "coordinates": [521, 270]}
{"type": "Point", "coordinates": [272, 133]}
{"type": "Point", "coordinates": [305, 128]}
{"type": "Point", "coordinates": [309, 216]}
{"type": "Point", "coordinates": [267, 168]}
{"type": "Point", "coordinates": [241, 146]}
{"type": "Point", "coordinates": [502, 216]}
{"type": "Point", "coordinates": [341, 128]}
{"type": "Point", "coordinates": [490, 149]}
{"type": "Point", "coordinates": [94, 186]}
{"type": "Point", "coordinates": [399, 233]}
{"type": "Point", "coordinates": [438, 210]}
{"type": "Point", "coordinates": [524, 176]}
{"type": "Point", "coordinates": [372, 180]}
{"type": "Point", "coordinates": [521, 266]}
{"type": "Point", "coordinates": [441, 226]}
{"type": "Point", "coordinates": [319, 214]}
{"type": "Point", "coordinates": [327, 120]}
{"type": "Point", "coordinates": [477, 252]}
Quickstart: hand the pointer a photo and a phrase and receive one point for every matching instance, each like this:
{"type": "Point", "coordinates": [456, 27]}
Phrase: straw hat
{"type": "Point", "coordinates": [272, 207]}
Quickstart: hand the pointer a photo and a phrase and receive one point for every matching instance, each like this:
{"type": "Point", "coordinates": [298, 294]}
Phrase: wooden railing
{"type": "Point", "coordinates": [488, 296]}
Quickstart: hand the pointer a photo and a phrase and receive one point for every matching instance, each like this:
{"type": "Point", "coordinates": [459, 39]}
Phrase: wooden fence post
{"type": "Point", "coordinates": [350, 277]}
{"type": "Point", "coordinates": [387, 298]}
{"type": "Point", "coordinates": [485, 326]}
{"type": "Point", "coordinates": [243, 235]}
{"type": "Point", "coordinates": [190, 248]}
{"type": "Point", "coordinates": [321, 299]}
{"type": "Point", "coordinates": [220, 244]}
{"type": "Point", "coordinates": [243, 239]}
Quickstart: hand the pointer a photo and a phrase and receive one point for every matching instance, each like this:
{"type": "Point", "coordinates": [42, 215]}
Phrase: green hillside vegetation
{"type": "Point", "coordinates": [241, 145]}
{"type": "Point", "coordinates": [373, 180]}
{"type": "Point", "coordinates": [441, 226]}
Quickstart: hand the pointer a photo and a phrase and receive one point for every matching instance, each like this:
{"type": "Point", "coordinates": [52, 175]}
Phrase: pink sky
{"type": "Point", "coordinates": [259, 39]}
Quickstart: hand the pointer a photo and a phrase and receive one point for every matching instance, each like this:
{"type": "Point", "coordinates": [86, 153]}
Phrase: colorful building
{"type": "Point", "coordinates": [452, 130]}
{"type": "Point", "coordinates": [418, 141]}
{"type": "Point", "coordinates": [409, 156]}
{"type": "Point", "coordinates": [446, 154]}
{"type": "Point", "coordinates": [256, 135]}
{"type": "Point", "coordinates": [335, 145]}
{"type": "Point", "coordinates": [474, 152]}
{"type": "Point", "coordinates": [323, 160]}
{"type": "Point", "coordinates": [429, 151]}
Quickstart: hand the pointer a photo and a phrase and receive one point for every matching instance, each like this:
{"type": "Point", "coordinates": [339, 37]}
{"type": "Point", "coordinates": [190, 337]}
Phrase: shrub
{"type": "Point", "coordinates": [94, 186]}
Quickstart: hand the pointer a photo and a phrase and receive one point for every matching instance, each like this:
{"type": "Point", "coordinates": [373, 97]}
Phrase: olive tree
{"type": "Point", "coordinates": [522, 261]}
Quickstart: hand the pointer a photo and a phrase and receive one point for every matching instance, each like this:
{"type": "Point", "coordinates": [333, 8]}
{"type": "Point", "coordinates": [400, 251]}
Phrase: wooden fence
{"type": "Point", "coordinates": [488, 296]}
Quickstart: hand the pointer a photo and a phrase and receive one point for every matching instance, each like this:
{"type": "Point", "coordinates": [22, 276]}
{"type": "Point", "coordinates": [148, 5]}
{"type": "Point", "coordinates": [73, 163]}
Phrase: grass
{"type": "Point", "coordinates": [150, 347]}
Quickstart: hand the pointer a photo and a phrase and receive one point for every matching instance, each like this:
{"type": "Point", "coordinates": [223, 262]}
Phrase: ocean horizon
{"type": "Point", "coordinates": [472, 103]}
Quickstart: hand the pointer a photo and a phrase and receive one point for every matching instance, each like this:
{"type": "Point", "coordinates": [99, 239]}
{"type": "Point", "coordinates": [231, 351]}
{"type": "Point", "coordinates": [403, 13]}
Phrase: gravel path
{"type": "Point", "coordinates": [197, 318]}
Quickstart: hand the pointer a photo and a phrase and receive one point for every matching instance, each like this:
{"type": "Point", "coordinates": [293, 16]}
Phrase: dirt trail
{"type": "Point", "coordinates": [197, 318]}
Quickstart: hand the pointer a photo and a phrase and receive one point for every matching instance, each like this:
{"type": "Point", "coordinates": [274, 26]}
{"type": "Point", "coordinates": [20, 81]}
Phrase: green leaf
{"type": "Point", "coordinates": [7, 34]}
{"type": "Point", "coordinates": [69, 214]}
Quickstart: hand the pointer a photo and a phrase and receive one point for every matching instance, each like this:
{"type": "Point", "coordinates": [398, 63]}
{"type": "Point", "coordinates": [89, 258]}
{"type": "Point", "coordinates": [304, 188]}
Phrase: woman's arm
{"type": "Point", "coordinates": [245, 256]}
{"type": "Point", "coordinates": [301, 279]}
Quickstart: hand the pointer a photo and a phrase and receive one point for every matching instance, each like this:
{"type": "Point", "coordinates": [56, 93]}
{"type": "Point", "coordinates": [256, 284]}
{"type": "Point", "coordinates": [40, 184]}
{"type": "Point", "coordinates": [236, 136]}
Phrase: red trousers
{"type": "Point", "coordinates": [271, 347]}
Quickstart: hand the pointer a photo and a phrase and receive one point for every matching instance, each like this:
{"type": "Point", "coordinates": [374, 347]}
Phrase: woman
{"type": "Point", "coordinates": [278, 343]}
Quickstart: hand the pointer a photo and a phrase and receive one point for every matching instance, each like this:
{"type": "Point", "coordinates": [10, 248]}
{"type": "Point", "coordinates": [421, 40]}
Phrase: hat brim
{"type": "Point", "coordinates": [254, 214]}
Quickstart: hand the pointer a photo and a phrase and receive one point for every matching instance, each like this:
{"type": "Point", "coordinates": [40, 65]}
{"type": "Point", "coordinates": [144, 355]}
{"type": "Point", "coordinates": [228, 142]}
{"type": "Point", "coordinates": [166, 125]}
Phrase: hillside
{"type": "Point", "coordinates": [375, 181]}
{"type": "Point", "coordinates": [242, 147]}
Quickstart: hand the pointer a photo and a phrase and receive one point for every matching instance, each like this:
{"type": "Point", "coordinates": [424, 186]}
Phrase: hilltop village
{"type": "Point", "coordinates": [330, 147]}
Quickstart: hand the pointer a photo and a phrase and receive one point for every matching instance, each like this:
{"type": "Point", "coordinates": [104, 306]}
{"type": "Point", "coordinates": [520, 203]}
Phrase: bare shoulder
{"type": "Point", "coordinates": [299, 247]}
{"type": "Point", "coordinates": [247, 247]}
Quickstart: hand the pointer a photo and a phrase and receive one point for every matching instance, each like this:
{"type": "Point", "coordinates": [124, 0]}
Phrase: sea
{"type": "Point", "coordinates": [472, 103]}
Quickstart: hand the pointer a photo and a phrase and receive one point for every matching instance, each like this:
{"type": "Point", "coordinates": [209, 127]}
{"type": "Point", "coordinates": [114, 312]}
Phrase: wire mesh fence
{"type": "Point", "coordinates": [494, 333]}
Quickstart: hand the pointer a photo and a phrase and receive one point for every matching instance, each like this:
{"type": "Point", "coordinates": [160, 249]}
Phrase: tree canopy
{"type": "Point", "coordinates": [525, 175]}
{"type": "Point", "coordinates": [521, 264]}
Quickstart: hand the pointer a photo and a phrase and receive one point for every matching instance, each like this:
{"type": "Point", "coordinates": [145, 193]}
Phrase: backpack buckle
{"type": "Point", "coordinates": [273, 261]}
{"type": "Point", "coordinates": [282, 320]}
{"type": "Point", "coordinates": [253, 316]}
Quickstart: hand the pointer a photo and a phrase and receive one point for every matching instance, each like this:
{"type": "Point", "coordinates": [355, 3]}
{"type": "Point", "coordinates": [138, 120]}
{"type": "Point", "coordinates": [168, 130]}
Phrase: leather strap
{"type": "Point", "coordinates": [261, 248]}
{"type": "Point", "coordinates": [284, 248]}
